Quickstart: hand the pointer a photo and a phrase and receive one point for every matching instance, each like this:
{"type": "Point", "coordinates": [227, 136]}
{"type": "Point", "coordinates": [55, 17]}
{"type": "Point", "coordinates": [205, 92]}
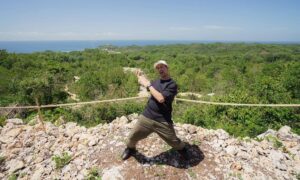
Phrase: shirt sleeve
{"type": "Point", "coordinates": [170, 92]}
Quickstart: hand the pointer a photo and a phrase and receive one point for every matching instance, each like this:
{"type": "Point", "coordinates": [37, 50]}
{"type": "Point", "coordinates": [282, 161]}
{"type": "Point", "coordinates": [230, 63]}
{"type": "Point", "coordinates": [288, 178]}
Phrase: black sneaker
{"type": "Point", "coordinates": [127, 153]}
{"type": "Point", "coordinates": [184, 153]}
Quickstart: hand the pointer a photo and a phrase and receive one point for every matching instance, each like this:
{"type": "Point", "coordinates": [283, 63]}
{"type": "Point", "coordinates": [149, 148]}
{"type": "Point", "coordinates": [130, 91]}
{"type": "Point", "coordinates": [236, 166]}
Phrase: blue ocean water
{"type": "Point", "coordinates": [66, 46]}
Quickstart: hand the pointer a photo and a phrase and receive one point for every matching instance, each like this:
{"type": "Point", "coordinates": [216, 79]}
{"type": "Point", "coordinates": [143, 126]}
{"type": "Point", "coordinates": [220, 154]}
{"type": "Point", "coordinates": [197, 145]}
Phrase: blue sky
{"type": "Point", "coordinates": [210, 20]}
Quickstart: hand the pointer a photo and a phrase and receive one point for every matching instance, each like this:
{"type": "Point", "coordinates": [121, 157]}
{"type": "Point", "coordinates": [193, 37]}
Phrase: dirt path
{"type": "Point", "coordinates": [72, 95]}
{"type": "Point", "coordinates": [143, 91]}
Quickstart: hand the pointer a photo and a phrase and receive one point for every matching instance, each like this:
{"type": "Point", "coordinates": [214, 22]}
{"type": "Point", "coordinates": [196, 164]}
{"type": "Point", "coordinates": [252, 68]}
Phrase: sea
{"type": "Point", "coordinates": [67, 46]}
{"type": "Point", "coordinates": [72, 45]}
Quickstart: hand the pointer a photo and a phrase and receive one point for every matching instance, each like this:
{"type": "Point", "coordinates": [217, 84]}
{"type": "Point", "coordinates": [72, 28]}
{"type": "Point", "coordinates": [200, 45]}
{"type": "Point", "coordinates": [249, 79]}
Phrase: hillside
{"type": "Point", "coordinates": [221, 72]}
{"type": "Point", "coordinates": [29, 152]}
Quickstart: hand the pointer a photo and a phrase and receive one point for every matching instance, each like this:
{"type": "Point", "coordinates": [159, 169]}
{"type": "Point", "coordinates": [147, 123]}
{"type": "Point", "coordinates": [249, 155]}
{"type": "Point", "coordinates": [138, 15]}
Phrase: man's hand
{"type": "Point", "coordinates": [142, 79]}
{"type": "Point", "coordinates": [138, 72]}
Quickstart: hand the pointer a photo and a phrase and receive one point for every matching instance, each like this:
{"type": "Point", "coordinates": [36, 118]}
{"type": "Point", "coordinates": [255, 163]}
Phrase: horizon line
{"type": "Point", "coordinates": [179, 40]}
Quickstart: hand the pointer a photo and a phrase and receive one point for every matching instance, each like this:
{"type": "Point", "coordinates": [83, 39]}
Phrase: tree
{"type": "Point", "coordinates": [42, 89]}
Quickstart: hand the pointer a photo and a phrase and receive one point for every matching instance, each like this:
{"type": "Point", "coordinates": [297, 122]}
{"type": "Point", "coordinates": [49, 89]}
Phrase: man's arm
{"type": "Point", "coordinates": [157, 95]}
{"type": "Point", "coordinates": [145, 82]}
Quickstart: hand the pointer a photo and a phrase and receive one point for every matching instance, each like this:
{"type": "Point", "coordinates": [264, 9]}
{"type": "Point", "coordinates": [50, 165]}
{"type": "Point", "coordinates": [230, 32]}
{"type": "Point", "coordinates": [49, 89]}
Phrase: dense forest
{"type": "Point", "coordinates": [240, 73]}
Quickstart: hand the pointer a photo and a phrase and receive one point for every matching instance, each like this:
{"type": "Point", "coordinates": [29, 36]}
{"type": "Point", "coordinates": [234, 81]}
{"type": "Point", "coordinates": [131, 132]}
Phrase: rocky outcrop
{"type": "Point", "coordinates": [70, 151]}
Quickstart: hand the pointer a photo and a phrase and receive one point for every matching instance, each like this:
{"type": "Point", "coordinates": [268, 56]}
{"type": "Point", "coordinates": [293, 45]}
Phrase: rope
{"type": "Point", "coordinates": [71, 104]}
{"type": "Point", "coordinates": [131, 98]}
{"type": "Point", "coordinates": [238, 104]}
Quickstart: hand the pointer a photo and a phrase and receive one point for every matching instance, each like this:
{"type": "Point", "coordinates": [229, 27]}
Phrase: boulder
{"type": "Point", "coordinates": [38, 173]}
{"type": "Point", "coordinates": [15, 121]}
{"type": "Point", "coordinates": [192, 129]}
{"type": "Point", "coordinates": [285, 133]}
{"type": "Point", "coordinates": [13, 132]}
{"type": "Point", "coordinates": [236, 166]}
{"type": "Point", "coordinates": [231, 150]}
{"type": "Point", "coordinates": [132, 117]}
{"type": "Point", "coordinates": [276, 156]}
{"type": "Point", "coordinates": [93, 142]}
{"type": "Point", "coordinates": [284, 130]}
{"type": "Point", "coordinates": [123, 120]}
{"type": "Point", "coordinates": [14, 165]}
{"type": "Point", "coordinates": [267, 133]}
{"type": "Point", "coordinates": [222, 134]}
{"type": "Point", "coordinates": [112, 173]}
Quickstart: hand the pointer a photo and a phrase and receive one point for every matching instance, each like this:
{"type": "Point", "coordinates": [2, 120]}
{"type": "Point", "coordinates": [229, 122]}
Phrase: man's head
{"type": "Point", "coordinates": [162, 68]}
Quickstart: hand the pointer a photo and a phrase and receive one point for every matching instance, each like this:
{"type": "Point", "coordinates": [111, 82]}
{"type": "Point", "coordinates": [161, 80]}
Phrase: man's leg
{"type": "Point", "coordinates": [167, 132]}
{"type": "Point", "coordinates": [140, 131]}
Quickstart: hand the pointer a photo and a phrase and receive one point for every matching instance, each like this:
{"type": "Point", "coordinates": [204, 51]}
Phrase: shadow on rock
{"type": "Point", "coordinates": [173, 158]}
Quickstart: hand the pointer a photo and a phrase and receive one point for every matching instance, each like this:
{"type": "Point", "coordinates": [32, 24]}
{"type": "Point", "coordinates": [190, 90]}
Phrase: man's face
{"type": "Point", "coordinates": [162, 70]}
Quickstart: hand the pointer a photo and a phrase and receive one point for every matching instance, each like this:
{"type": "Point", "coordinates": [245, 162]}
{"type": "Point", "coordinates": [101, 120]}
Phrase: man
{"type": "Point", "coordinates": [157, 114]}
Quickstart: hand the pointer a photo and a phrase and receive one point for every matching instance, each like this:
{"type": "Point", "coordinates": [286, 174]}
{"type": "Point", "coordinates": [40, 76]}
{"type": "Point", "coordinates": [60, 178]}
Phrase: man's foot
{"type": "Point", "coordinates": [127, 153]}
{"type": "Point", "coordinates": [184, 153]}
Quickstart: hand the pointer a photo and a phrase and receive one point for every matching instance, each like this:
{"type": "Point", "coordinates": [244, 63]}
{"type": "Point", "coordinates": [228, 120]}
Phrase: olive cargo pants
{"type": "Point", "coordinates": [146, 126]}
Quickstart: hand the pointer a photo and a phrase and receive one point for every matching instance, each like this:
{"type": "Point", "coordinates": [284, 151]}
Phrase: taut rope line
{"type": "Point", "coordinates": [71, 104]}
{"type": "Point", "coordinates": [238, 104]}
{"type": "Point", "coordinates": [137, 97]}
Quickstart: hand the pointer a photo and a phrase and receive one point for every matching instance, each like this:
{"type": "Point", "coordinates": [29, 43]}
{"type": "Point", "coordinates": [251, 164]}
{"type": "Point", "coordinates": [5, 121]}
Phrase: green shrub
{"type": "Point", "coordinates": [298, 176]}
{"type": "Point", "coordinates": [61, 161]}
{"type": "Point", "coordinates": [89, 115]}
{"type": "Point", "coordinates": [2, 160]}
{"type": "Point", "coordinates": [13, 176]}
{"type": "Point", "coordinates": [93, 174]}
{"type": "Point", "coordinates": [130, 108]}
{"type": "Point", "coordinates": [2, 121]}
{"type": "Point", "coordinates": [276, 142]}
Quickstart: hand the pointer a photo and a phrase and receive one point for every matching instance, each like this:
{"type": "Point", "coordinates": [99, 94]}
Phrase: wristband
{"type": "Point", "coordinates": [148, 87]}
